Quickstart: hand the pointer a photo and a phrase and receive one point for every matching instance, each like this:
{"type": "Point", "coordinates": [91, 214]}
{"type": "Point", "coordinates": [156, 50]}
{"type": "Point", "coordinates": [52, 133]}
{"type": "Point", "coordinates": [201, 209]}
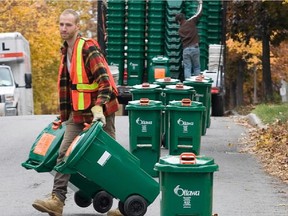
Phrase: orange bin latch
{"type": "Point", "coordinates": [144, 101]}
{"type": "Point", "coordinates": [186, 102]}
{"type": "Point", "coordinates": [188, 158]}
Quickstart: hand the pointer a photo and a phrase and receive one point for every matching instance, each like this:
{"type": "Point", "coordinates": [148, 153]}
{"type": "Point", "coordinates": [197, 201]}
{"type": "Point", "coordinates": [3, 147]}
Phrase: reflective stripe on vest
{"type": "Point", "coordinates": [81, 97]}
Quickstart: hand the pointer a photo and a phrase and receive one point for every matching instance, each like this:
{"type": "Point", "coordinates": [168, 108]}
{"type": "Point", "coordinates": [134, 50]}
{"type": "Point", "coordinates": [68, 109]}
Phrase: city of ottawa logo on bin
{"type": "Point", "coordinates": [143, 124]}
{"type": "Point", "coordinates": [186, 194]}
{"type": "Point", "coordinates": [184, 124]}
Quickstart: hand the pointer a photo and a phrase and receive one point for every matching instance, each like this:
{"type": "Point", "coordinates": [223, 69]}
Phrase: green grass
{"type": "Point", "coordinates": [268, 113]}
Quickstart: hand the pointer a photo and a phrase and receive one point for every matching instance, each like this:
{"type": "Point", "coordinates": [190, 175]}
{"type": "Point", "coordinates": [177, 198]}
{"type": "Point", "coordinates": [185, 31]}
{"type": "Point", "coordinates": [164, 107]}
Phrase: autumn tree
{"type": "Point", "coordinates": [37, 20]}
{"type": "Point", "coordinates": [265, 21]}
{"type": "Point", "coordinates": [243, 64]}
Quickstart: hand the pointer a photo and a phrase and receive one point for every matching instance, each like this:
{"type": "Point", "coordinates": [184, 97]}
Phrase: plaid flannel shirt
{"type": "Point", "coordinates": [96, 70]}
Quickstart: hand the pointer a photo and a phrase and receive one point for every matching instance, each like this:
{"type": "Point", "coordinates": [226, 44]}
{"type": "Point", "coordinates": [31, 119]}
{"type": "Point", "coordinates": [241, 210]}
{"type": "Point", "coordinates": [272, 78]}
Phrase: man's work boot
{"type": "Point", "coordinates": [115, 212]}
{"type": "Point", "coordinates": [53, 205]}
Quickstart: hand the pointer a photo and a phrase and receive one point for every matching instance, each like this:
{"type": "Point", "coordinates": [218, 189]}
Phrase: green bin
{"type": "Point", "coordinates": [100, 158]}
{"type": "Point", "coordinates": [158, 68]}
{"type": "Point", "coordinates": [146, 90]}
{"type": "Point", "coordinates": [43, 157]}
{"type": "Point", "coordinates": [186, 185]}
{"type": "Point", "coordinates": [171, 93]}
{"type": "Point", "coordinates": [44, 151]}
{"type": "Point", "coordinates": [177, 92]}
{"type": "Point", "coordinates": [145, 132]}
{"type": "Point", "coordinates": [203, 94]}
{"type": "Point", "coordinates": [184, 126]}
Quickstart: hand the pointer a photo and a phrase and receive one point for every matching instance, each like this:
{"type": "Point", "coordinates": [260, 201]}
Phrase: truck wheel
{"type": "Point", "coordinates": [217, 105]}
{"type": "Point", "coordinates": [135, 206]}
{"type": "Point", "coordinates": [102, 202]}
{"type": "Point", "coordinates": [81, 200]}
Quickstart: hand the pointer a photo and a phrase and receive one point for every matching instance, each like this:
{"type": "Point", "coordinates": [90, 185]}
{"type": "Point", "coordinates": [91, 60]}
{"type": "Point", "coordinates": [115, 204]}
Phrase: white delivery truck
{"type": "Point", "coordinates": [16, 96]}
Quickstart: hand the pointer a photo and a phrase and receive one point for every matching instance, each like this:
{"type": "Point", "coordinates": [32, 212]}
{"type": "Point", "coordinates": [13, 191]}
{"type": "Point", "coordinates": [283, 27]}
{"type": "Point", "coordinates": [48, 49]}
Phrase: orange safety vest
{"type": "Point", "coordinates": [81, 88]}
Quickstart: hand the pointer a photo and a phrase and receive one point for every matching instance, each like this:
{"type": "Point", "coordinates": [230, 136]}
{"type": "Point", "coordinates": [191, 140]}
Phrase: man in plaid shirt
{"type": "Point", "coordinates": [87, 93]}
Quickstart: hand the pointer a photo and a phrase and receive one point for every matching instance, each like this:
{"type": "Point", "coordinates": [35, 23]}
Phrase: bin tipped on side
{"type": "Point", "coordinates": [101, 159]}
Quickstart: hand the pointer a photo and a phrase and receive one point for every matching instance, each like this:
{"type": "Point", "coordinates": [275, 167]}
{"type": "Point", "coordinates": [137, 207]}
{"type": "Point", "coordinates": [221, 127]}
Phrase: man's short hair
{"type": "Point", "coordinates": [74, 13]}
{"type": "Point", "coordinates": [179, 17]}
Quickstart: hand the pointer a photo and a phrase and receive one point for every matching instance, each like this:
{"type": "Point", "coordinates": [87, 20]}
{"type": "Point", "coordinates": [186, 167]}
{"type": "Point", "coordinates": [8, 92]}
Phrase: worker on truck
{"type": "Point", "coordinates": [87, 93]}
{"type": "Point", "coordinates": [190, 42]}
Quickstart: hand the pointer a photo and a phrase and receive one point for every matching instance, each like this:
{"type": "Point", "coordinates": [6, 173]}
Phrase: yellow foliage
{"type": "Point", "coordinates": [37, 20]}
{"type": "Point", "coordinates": [251, 53]}
{"type": "Point", "coordinates": [279, 67]}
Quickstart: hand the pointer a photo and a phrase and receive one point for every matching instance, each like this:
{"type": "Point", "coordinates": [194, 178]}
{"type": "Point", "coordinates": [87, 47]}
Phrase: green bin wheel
{"type": "Point", "coordinates": [121, 208]}
{"type": "Point", "coordinates": [135, 206]}
{"type": "Point", "coordinates": [81, 200]}
{"type": "Point", "coordinates": [102, 202]}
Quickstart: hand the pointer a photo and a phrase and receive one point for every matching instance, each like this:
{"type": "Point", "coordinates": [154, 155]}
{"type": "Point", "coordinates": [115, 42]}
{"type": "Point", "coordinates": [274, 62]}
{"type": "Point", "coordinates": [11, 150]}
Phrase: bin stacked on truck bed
{"type": "Point", "coordinates": [151, 25]}
{"type": "Point", "coordinates": [116, 35]}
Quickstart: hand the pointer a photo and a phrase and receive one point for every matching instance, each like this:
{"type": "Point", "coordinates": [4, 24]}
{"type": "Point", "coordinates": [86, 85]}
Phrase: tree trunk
{"type": "Point", "coordinates": [267, 81]}
{"type": "Point", "coordinates": [239, 83]}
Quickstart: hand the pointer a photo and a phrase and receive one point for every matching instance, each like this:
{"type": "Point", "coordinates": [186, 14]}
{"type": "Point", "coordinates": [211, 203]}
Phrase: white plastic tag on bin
{"type": "Point", "coordinates": [104, 158]}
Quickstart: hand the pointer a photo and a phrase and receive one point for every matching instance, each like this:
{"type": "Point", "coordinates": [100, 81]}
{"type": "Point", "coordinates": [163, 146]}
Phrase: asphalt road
{"type": "Point", "coordinates": [241, 187]}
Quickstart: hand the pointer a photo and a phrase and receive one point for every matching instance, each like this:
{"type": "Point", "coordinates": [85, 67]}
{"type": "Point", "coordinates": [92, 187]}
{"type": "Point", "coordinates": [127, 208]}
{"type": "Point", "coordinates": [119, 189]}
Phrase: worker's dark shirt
{"type": "Point", "coordinates": [189, 33]}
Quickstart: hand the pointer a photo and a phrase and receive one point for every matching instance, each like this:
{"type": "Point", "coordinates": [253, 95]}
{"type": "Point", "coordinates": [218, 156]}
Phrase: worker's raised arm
{"type": "Point", "coordinates": [199, 10]}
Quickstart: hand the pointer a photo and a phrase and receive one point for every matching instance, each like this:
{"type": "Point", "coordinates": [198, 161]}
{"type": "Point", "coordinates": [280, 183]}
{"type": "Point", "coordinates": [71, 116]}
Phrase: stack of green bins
{"type": "Point", "coordinates": [202, 87]}
{"type": "Point", "coordinates": [214, 24]}
{"type": "Point", "coordinates": [172, 47]}
{"type": "Point", "coordinates": [190, 10]}
{"type": "Point", "coordinates": [136, 15]}
{"type": "Point", "coordinates": [145, 132]}
{"type": "Point", "coordinates": [155, 29]}
{"type": "Point", "coordinates": [115, 21]}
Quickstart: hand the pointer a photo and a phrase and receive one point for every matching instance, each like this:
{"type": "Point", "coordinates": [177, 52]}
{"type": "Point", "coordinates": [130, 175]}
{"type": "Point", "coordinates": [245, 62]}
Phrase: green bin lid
{"type": "Point", "coordinates": [186, 162]}
{"type": "Point", "coordinates": [167, 80]}
{"type": "Point", "coordinates": [145, 86]}
{"type": "Point", "coordinates": [185, 105]}
{"type": "Point", "coordinates": [144, 104]}
{"type": "Point", "coordinates": [178, 87]}
{"type": "Point", "coordinates": [197, 80]}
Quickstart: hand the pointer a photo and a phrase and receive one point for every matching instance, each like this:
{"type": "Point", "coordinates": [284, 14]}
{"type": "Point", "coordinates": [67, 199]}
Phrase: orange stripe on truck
{"type": "Point", "coordinates": [11, 55]}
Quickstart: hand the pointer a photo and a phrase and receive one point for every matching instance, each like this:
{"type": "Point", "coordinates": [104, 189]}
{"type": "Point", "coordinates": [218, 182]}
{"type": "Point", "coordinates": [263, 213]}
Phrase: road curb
{"type": "Point", "coordinates": [254, 120]}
